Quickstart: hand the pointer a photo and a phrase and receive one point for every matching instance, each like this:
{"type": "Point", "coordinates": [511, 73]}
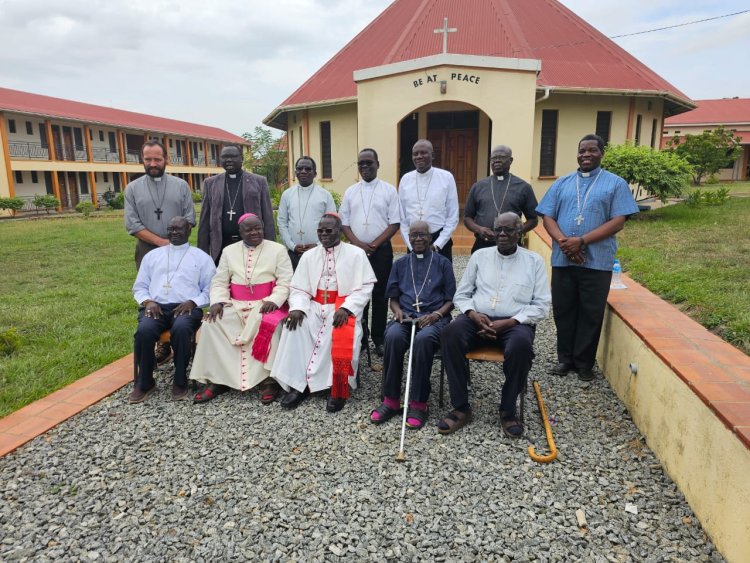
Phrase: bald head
{"type": "Point", "coordinates": [501, 158]}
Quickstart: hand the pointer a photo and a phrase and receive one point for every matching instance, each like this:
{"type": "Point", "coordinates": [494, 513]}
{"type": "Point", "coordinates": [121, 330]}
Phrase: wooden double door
{"type": "Point", "coordinates": [456, 151]}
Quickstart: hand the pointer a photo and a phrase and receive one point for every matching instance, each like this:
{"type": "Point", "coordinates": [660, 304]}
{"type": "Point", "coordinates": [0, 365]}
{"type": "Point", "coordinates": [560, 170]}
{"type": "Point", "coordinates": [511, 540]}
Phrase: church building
{"type": "Point", "coordinates": [469, 75]}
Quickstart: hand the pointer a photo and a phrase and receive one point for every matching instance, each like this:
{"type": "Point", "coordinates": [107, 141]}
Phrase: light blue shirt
{"type": "Point", "coordinates": [514, 286]}
{"type": "Point", "coordinates": [600, 197]}
{"type": "Point", "coordinates": [175, 274]}
{"type": "Point", "coordinates": [300, 210]}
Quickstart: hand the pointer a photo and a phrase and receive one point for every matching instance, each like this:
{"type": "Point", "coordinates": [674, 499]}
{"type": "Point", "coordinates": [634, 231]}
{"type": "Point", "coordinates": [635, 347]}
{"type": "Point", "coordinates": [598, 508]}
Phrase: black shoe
{"type": "Point", "coordinates": [294, 398]}
{"type": "Point", "coordinates": [379, 350]}
{"type": "Point", "coordinates": [586, 374]}
{"type": "Point", "coordinates": [335, 405]}
{"type": "Point", "coordinates": [562, 369]}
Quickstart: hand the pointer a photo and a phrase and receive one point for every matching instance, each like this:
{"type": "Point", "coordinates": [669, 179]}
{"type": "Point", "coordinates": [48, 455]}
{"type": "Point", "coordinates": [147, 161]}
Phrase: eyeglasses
{"type": "Point", "coordinates": [304, 169]}
{"type": "Point", "coordinates": [500, 158]}
{"type": "Point", "coordinates": [361, 163]}
{"type": "Point", "coordinates": [507, 230]}
{"type": "Point", "coordinates": [325, 231]}
{"type": "Point", "coordinates": [419, 235]}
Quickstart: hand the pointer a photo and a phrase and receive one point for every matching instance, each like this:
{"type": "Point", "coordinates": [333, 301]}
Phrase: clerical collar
{"type": "Point", "coordinates": [233, 176]}
{"type": "Point", "coordinates": [157, 178]}
{"type": "Point", "coordinates": [425, 172]}
{"type": "Point", "coordinates": [251, 246]}
{"type": "Point", "coordinates": [500, 178]}
{"type": "Point", "coordinates": [421, 256]}
{"type": "Point", "coordinates": [371, 182]}
{"type": "Point", "coordinates": [179, 246]}
{"type": "Point", "coordinates": [301, 187]}
{"type": "Point", "coordinates": [591, 173]}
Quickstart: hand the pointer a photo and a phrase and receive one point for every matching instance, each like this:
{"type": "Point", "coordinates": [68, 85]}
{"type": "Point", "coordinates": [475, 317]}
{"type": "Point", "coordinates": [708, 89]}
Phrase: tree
{"type": "Point", "coordinates": [661, 173]}
{"type": "Point", "coordinates": [267, 156]}
{"type": "Point", "coordinates": [708, 152]}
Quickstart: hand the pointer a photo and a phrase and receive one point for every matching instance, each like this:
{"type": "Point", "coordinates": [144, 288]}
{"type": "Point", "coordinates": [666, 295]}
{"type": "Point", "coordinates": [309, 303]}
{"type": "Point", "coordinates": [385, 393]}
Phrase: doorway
{"type": "Point", "coordinates": [455, 137]}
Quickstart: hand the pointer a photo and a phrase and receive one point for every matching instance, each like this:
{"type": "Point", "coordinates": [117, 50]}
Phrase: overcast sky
{"type": "Point", "coordinates": [230, 63]}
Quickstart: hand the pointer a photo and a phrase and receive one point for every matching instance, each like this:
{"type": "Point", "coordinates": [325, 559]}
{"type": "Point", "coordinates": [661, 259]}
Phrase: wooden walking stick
{"type": "Point", "coordinates": [543, 412]}
{"type": "Point", "coordinates": [401, 456]}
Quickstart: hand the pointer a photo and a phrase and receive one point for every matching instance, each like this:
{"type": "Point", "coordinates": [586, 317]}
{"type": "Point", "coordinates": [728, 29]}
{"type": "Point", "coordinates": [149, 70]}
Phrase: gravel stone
{"type": "Point", "coordinates": [235, 480]}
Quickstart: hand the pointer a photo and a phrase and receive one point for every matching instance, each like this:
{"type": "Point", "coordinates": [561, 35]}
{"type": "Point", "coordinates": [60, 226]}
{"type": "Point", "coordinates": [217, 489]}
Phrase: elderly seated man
{"type": "Point", "coordinates": [320, 343]}
{"type": "Point", "coordinates": [503, 293]}
{"type": "Point", "coordinates": [241, 331]}
{"type": "Point", "coordinates": [421, 288]}
{"type": "Point", "coordinates": [171, 286]}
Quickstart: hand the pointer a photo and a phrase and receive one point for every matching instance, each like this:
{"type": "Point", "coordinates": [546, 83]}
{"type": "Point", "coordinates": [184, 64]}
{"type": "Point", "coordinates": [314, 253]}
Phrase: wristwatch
{"type": "Point", "coordinates": [583, 243]}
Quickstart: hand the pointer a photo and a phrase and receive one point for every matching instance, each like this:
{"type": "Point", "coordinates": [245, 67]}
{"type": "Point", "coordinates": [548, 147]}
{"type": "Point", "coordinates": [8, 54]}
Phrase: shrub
{"type": "Point", "coordinates": [9, 342]}
{"type": "Point", "coordinates": [336, 199]}
{"type": "Point", "coordinates": [45, 202]}
{"type": "Point", "coordinates": [275, 197]}
{"type": "Point", "coordinates": [85, 207]}
{"type": "Point", "coordinates": [117, 201]}
{"type": "Point", "coordinates": [707, 197]}
{"type": "Point", "coordinates": [13, 204]}
{"type": "Point", "coordinates": [197, 197]}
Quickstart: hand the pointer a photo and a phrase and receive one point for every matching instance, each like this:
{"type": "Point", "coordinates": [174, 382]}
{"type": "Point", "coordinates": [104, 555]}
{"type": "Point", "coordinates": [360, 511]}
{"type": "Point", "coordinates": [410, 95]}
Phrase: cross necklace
{"type": "Point", "coordinates": [417, 302]}
{"type": "Point", "coordinates": [421, 200]}
{"type": "Point", "coordinates": [231, 200]}
{"type": "Point", "coordinates": [167, 285]}
{"type": "Point", "coordinates": [329, 272]}
{"type": "Point", "coordinates": [158, 211]}
{"type": "Point", "coordinates": [249, 269]}
{"type": "Point", "coordinates": [579, 217]}
{"type": "Point", "coordinates": [366, 210]}
{"type": "Point", "coordinates": [299, 208]}
{"type": "Point", "coordinates": [505, 193]}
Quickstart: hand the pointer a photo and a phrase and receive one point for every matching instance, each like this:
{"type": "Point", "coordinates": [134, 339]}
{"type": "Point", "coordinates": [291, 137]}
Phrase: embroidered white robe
{"type": "Point", "coordinates": [304, 355]}
{"type": "Point", "coordinates": [224, 348]}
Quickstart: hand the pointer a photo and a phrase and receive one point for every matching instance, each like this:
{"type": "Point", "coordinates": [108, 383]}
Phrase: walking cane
{"type": "Point", "coordinates": [401, 456]}
{"type": "Point", "coordinates": [543, 412]}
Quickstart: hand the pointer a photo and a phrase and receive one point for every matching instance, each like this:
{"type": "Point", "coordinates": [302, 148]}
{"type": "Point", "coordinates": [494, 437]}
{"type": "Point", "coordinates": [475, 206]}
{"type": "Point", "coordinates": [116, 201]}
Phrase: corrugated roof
{"type": "Point", "coordinates": [723, 111]}
{"type": "Point", "coordinates": [573, 54]}
{"type": "Point", "coordinates": [47, 106]}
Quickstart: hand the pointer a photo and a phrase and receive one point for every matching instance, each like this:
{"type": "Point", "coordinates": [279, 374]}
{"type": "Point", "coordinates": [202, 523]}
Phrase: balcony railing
{"type": "Point", "coordinates": [212, 162]}
{"type": "Point", "coordinates": [70, 152]}
{"type": "Point", "coordinates": [104, 154]}
{"type": "Point", "coordinates": [133, 155]}
{"type": "Point", "coordinates": [199, 160]}
{"type": "Point", "coordinates": [174, 158]}
{"type": "Point", "coordinates": [32, 151]}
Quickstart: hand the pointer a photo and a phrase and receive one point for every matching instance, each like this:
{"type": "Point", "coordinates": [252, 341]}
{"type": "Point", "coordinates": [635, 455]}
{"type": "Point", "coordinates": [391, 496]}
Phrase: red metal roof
{"type": "Point", "coordinates": [47, 106]}
{"type": "Point", "coordinates": [724, 111]}
{"type": "Point", "coordinates": [573, 54]}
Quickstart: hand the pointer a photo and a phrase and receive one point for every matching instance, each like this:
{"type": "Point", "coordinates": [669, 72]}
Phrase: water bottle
{"type": "Point", "coordinates": [617, 276]}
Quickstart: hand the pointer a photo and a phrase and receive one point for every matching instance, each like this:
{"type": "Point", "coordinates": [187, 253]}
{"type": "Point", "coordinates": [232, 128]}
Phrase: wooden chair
{"type": "Point", "coordinates": [481, 354]}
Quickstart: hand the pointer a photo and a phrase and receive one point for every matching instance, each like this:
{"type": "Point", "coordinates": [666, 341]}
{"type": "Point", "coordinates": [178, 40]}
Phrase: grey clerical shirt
{"type": "Point", "coordinates": [300, 210]}
{"type": "Point", "coordinates": [144, 195]}
{"type": "Point", "coordinates": [505, 286]}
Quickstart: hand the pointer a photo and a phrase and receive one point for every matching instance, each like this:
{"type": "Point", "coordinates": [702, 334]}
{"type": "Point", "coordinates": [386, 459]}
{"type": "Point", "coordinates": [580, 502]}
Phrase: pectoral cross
{"type": "Point", "coordinates": [579, 219]}
{"type": "Point", "coordinates": [167, 285]}
{"type": "Point", "coordinates": [417, 304]}
{"type": "Point", "coordinates": [325, 297]}
{"type": "Point", "coordinates": [300, 232]}
{"type": "Point", "coordinates": [158, 213]}
{"type": "Point", "coordinates": [231, 214]}
{"type": "Point", "coordinates": [493, 302]}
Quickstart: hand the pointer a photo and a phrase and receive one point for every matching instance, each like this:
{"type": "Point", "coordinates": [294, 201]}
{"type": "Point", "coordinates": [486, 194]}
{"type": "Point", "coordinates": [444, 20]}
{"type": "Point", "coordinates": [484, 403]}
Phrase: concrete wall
{"type": "Point", "coordinates": [344, 146]}
{"type": "Point", "coordinates": [706, 459]}
{"type": "Point", "coordinates": [506, 98]}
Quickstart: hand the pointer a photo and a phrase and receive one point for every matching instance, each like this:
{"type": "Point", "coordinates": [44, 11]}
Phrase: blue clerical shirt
{"type": "Point", "coordinates": [439, 285]}
{"type": "Point", "coordinates": [600, 197]}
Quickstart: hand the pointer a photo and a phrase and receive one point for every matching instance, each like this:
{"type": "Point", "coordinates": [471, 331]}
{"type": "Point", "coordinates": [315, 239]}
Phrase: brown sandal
{"type": "Point", "coordinates": [511, 426]}
{"type": "Point", "coordinates": [454, 420]}
{"type": "Point", "coordinates": [269, 391]}
{"type": "Point", "coordinates": [210, 391]}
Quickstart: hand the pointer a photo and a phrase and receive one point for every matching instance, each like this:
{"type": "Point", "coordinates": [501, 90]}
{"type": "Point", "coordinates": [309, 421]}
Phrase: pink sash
{"type": "Point", "coordinates": [269, 321]}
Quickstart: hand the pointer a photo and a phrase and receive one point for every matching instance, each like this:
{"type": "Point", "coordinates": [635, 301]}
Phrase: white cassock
{"type": "Point", "coordinates": [304, 355]}
{"type": "Point", "coordinates": [225, 347]}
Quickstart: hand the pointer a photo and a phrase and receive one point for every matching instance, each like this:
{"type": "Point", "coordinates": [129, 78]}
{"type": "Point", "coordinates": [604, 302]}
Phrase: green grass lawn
{"type": "Point", "coordinates": [697, 258]}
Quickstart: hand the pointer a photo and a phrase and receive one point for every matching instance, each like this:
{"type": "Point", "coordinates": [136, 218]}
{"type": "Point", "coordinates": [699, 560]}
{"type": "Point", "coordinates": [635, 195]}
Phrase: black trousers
{"type": "Point", "coordinates": [579, 299]}
{"type": "Point", "coordinates": [182, 329]}
{"type": "Point", "coordinates": [381, 262]}
{"type": "Point", "coordinates": [426, 343]}
{"type": "Point", "coordinates": [141, 249]}
{"type": "Point", "coordinates": [294, 257]}
{"type": "Point", "coordinates": [481, 243]}
{"type": "Point", "coordinates": [517, 343]}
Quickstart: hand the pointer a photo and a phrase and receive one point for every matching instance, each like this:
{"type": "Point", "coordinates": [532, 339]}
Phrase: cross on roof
{"type": "Point", "coordinates": [445, 30]}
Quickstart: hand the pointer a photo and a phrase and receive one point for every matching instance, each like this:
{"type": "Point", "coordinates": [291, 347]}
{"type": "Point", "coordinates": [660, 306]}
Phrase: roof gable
{"type": "Point", "coordinates": [47, 106]}
{"type": "Point", "coordinates": [723, 111]}
{"type": "Point", "coordinates": [573, 54]}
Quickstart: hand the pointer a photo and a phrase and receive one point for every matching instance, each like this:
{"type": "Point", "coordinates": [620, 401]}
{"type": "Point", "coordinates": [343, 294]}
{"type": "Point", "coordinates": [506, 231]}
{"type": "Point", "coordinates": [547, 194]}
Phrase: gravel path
{"type": "Point", "coordinates": [233, 480]}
